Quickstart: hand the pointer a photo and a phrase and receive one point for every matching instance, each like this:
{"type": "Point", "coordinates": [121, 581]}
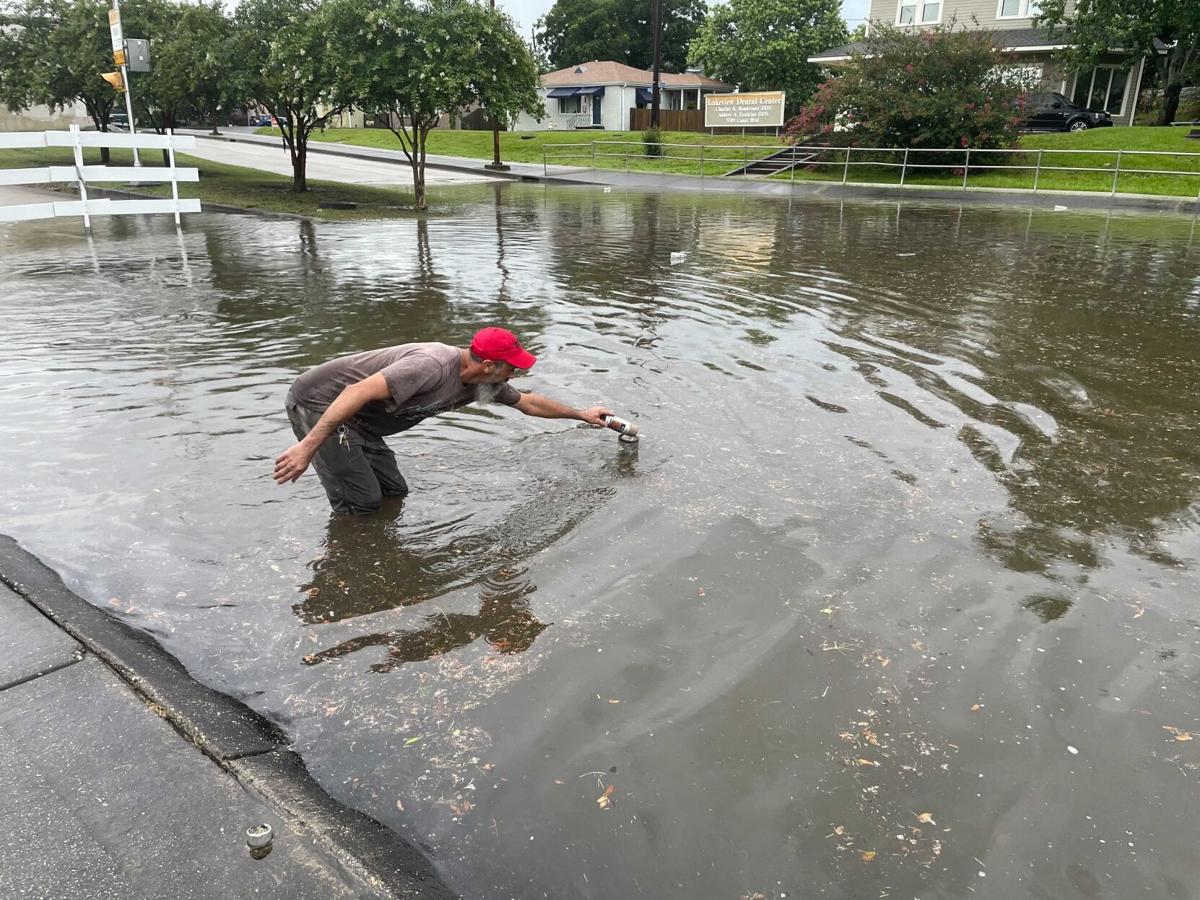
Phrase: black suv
{"type": "Point", "coordinates": [1054, 112]}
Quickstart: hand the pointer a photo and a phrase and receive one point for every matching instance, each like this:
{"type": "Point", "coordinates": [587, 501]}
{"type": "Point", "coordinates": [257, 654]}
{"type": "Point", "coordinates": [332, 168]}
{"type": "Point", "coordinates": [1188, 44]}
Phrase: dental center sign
{"type": "Point", "coordinates": [764, 109]}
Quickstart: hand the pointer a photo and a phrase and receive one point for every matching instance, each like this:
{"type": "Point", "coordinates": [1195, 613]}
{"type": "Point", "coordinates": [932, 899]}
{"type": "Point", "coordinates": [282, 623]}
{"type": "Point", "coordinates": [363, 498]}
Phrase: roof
{"type": "Point", "coordinates": [1012, 40]}
{"type": "Point", "coordinates": [611, 72]}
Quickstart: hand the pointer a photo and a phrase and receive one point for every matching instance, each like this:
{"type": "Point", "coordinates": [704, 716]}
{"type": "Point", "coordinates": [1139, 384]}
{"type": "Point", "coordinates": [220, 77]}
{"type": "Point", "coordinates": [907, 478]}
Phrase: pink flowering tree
{"type": "Point", "coordinates": [947, 87]}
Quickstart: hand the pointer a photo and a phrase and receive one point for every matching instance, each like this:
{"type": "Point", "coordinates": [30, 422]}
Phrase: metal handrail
{"type": "Point", "coordinates": [706, 154]}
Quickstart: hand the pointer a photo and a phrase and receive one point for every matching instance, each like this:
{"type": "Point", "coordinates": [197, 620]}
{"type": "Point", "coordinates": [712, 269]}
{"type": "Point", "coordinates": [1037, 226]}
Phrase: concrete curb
{"type": "Point", "coordinates": [243, 743]}
{"type": "Point", "coordinates": [207, 207]}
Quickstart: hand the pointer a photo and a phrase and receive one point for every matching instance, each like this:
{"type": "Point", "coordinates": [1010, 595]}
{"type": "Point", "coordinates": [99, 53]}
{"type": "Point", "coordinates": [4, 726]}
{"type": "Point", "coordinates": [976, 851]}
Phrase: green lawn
{"type": "Point", "coordinates": [713, 155]}
{"type": "Point", "coordinates": [232, 185]}
{"type": "Point", "coordinates": [1137, 146]}
{"type": "Point", "coordinates": [529, 146]}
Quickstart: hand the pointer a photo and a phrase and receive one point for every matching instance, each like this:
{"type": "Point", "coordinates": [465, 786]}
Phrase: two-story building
{"type": "Point", "coordinates": [599, 94]}
{"type": "Point", "coordinates": [1112, 84]}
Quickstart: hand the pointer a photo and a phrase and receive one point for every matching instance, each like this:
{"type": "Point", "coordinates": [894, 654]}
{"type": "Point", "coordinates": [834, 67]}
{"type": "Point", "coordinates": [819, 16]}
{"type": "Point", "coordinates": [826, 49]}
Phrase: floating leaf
{"type": "Point", "coordinates": [412, 740]}
{"type": "Point", "coordinates": [839, 830]}
{"type": "Point", "coordinates": [976, 707]}
{"type": "Point", "coordinates": [867, 762]}
{"type": "Point", "coordinates": [867, 855]}
{"type": "Point", "coordinates": [1177, 733]}
{"type": "Point", "coordinates": [926, 819]}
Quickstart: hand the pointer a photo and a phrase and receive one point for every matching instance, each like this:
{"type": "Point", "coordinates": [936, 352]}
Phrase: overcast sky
{"type": "Point", "coordinates": [526, 12]}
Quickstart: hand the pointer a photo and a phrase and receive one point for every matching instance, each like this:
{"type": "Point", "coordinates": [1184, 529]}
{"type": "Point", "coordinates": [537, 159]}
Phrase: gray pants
{"type": "Point", "coordinates": [356, 471]}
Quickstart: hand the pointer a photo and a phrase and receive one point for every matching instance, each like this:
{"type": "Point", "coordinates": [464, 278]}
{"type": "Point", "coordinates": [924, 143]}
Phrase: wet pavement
{"type": "Point", "coordinates": [896, 598]}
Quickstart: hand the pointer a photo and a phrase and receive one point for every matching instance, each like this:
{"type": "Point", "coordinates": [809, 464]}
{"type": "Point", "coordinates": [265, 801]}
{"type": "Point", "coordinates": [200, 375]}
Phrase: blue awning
{"type": "Point", "coordinates": [593, 91]}
{"type": "Point", "coordinates": [563, 92]}
{"type": "Point", "coordinates": [644, 95]}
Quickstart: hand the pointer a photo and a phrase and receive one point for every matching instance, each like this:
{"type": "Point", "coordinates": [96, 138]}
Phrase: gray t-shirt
{"type": "Point", "coordinates": [424, 379]}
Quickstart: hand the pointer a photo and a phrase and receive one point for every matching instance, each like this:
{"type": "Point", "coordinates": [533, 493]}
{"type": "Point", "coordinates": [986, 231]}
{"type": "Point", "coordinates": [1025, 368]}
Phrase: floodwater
{"type": "Point", "coordinates": [897, 598]}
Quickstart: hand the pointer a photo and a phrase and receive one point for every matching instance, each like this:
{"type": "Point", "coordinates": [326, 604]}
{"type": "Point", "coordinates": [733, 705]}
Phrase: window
{"type": "Point", "coordinates": [1017, 9]}
{"type": "Point", "coordinates": [1101, 88]}
{"type": "Point", "coordinates": [919, 12]}
{"type": "Point", "coordinates": [568, 105]}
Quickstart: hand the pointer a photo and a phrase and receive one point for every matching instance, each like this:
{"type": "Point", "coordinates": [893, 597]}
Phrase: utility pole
{"type": "Point", "coordinates": [118, 48]}
{"type": "Point", "coordinates": [495, 165]}
{"type": "Point", "coordinates": [654, 99]}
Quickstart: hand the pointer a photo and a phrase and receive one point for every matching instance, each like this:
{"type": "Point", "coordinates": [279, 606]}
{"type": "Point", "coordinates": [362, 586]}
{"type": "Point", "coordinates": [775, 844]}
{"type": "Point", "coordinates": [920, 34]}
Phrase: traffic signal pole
{"type": "Point", "coordinates": [118, 46]}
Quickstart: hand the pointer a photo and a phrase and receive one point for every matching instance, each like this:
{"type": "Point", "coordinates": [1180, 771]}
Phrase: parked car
{"type": "Point", "coordinates": [1054, 112]}
{"type": "Point", "coordinates": [118, 121]}
{"type": "Point", "coordinates": [259, 120]}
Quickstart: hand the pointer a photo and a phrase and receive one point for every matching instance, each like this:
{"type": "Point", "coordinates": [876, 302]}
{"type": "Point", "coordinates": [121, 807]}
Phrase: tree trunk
{"type": "Point", "coordinates": [101, 123]}
{"type": "Point", "coordinates": [299, 168]}
{"type": "Point", "coordinates": [1166, 114]}
{"type": "Point", "coordinates": [420, 133]}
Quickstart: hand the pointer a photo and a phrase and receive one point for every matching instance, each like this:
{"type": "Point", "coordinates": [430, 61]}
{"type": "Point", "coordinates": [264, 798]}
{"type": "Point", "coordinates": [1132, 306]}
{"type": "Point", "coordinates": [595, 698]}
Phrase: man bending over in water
{"type": "Point", "coordinates": [341, 410]}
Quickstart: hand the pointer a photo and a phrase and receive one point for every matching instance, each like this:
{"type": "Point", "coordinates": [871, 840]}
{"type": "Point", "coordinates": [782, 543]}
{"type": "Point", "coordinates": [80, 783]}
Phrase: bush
{"type": "Point", "coordinates": [939, 88]}
{"type": "Point", "coordinates": [652, 141]}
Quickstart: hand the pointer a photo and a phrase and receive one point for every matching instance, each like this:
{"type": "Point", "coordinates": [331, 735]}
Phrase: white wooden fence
{"type": "Point", "coordinates": [81, 175]}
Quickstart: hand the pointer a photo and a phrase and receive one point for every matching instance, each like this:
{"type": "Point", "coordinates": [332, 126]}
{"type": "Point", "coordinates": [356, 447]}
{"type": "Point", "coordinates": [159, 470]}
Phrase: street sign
{"type": "Point", "coordinates": [114, 30]}
{"type": "Point", "coordinates": [764, 109]}
{"type": "Point", "coordinates": [137, 55]}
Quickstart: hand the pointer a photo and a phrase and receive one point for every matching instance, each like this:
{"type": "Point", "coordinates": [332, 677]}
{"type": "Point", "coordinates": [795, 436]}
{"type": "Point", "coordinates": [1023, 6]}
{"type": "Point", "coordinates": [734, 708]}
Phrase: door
{"type": "Point", "coordinates": [597, 106]}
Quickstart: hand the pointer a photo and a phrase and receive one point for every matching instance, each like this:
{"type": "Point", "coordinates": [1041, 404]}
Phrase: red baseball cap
{"type": "Point", "coordinates": [500, 345]}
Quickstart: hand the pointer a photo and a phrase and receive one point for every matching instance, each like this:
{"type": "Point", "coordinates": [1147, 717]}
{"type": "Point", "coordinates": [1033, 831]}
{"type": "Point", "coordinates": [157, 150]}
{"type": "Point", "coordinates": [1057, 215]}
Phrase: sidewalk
{"type": "Point", "coordinates": [516, 172]}
{"type": "Point", "coordinates": [122, 777]}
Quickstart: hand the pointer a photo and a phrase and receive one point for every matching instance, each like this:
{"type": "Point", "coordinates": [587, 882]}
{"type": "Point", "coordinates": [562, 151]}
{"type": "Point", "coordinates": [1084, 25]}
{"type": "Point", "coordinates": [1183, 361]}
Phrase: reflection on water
{"type": "Point", "coordinates": [903, 567]}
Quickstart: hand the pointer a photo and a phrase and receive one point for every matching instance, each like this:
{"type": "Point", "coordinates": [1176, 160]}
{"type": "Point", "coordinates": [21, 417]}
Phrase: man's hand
{"type": "Point", "coordinates": [292, 463]}
{"type": "Point", "coordinates": [594, 415]}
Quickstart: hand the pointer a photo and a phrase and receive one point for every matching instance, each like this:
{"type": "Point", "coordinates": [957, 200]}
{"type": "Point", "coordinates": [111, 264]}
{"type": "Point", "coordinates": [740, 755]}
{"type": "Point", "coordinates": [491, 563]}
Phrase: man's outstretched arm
{"type": "Point", "coordinates": [293, 462]}
{"type": "Point", "coordinates": [545, 408]}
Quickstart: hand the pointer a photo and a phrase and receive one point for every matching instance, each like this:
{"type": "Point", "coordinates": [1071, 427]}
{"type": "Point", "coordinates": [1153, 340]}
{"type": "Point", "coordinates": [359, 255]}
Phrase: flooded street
{"type": "Point", "coordinates": [897, 597]}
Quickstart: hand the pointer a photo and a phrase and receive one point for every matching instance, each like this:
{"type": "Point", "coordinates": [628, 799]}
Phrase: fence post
{"type": "Point", "coordinates": [903, 167]}
{"type": "Point", "coordinates": [792, 169]}
{"type": "Point", "coordinates": [78, 151]}
{"type": "Point", "coordinates": [593, 154]}
{"type": "Point", "coordinates": [174, 176]}
{"type": "Point", "coordinates": [745, 150]}
{"type": "Point", "coordinates": [966, 168]}
{"type": "Point", "coordinates": [1037, 172]}
{"type": "Point", "coordinates": [627, 157]}
{"type": "Point", "coordinates": [846, 168]}
{"type": "Point", "coordinates": [701, 159]}
{"type": "Point", "coordinates": [1116, 175]}
{"type": "Point", "coordinates": [545, 167]}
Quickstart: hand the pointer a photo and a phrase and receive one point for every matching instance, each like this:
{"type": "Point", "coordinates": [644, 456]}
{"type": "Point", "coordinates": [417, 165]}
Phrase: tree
{"type": "Point", "coordinates": [52, 53]}
{"type": "Point", "coordinates": [192, 75]}
{"type": "Point", "coordinates": [765, 44]}
{"type": "Point", "coordinates": [1096, 26]}
{"type": "Point", "coordinates": [288, 67]}
{"type": "Point", "coordinates": [933, 89]}
{"type": "Point", "coordinates": [407, 65]}
{"type": "Point", "coordinates": [577, 31]}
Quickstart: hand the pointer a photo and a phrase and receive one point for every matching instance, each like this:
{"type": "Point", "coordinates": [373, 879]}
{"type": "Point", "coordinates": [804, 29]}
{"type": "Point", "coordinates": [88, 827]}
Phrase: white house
{"type": "Point", "coordinates": [599, 95]}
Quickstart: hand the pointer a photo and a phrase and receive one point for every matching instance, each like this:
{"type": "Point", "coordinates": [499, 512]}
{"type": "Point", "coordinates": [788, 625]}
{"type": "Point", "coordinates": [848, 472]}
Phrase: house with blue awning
{"type": "Point", "coordinates": [600, 94]}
